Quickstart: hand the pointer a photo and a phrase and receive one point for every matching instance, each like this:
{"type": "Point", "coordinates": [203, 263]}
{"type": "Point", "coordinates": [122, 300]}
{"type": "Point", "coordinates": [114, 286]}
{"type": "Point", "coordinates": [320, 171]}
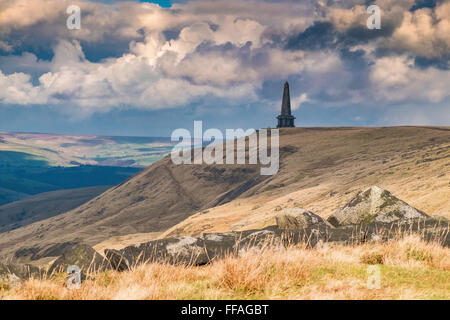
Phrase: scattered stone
{"type": "Point", "coordinates": [374, 205]}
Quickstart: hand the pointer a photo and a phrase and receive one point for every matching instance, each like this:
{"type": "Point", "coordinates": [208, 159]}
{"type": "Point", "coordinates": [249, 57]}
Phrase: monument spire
{"type": "Point", "coordinates": [285, 119]}
{"type": "Point", "coordinates": [286, 105]}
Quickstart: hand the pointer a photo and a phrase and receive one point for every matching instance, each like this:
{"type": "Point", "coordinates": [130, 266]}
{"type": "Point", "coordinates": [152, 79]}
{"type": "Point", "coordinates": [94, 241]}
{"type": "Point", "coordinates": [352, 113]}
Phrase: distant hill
{"type": "Point", "coordinates": [320, 170]}
{"type": "Point", "coordinates": [44, 205]}
{"type": "Point", "coordinates": [7, 195]}
{"type": "Point", "coordinates": [23, 174]}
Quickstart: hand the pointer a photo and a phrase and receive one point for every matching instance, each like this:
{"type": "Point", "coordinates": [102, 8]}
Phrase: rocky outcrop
{"type": "Point", "coordinates": [196, 251]}
{"type": "Point", "coordinates": [429, 229]}
{"type": "Point", "coordinates": [181, 250]}
{"type": "Point", "coordinates": [82, 256]}
{"type": "Point", "coordinates": [219, 245]}
{"type": "Point", "coordinates": [374, 205]}
{"type": "Point", "coordinates": [372, 215]}
{"type": "Point", "coordinates": [297, 219]}
{"type": "Point", "coordinates": [257, 240]}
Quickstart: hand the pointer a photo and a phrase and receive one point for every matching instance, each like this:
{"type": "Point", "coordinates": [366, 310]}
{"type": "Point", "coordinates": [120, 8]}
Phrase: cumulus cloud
{"type": "Point", "coordinates": [395, 79]}
{"type": "Point", "coordinates": [424, 32]}
{"type": "Point", "coordinates": [139, 55]}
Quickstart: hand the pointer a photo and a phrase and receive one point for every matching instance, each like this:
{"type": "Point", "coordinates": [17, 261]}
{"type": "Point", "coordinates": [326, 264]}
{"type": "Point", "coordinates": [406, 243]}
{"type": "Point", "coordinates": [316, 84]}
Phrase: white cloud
{"type": "Point", "coordinates": [298, 101]}
{"type": "Point", "coordinates": [395, 79]}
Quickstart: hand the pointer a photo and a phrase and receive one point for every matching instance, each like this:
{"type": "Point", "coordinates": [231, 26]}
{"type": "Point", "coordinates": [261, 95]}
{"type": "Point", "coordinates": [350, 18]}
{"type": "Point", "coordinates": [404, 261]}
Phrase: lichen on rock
{"type": "Point", "coordinates": [374, 205]}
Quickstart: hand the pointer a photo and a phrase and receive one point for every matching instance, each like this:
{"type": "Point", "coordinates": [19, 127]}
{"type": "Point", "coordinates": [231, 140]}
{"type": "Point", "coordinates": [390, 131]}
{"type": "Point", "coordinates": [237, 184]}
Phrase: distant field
{"type": "Point", "coordinates": [72, 150]}
{"type": "Point", "coordinates": [35, 163]}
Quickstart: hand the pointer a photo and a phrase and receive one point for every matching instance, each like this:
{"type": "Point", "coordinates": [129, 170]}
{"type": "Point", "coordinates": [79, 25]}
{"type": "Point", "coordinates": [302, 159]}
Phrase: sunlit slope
{"type": "Point", "coordinates": [322, 169]}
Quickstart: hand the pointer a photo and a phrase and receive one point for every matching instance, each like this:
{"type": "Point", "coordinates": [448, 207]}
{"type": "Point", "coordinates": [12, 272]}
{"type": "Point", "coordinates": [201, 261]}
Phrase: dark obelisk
{"type": "Point", "coordinates": [286, 119]}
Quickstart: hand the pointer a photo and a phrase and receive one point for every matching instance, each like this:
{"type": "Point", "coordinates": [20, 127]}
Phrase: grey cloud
{"type": "Point", "coordinates": [423, 4]}
{"type": "Point", "coordinates": [424, 63]}
{"type": "Point", "coordinates": [319, 36]}
{"type": "Point", "coordinates": [138, 55]}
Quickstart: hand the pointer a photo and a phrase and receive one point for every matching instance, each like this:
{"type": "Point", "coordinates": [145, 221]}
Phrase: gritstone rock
{"type": "Point", "coordinates": [374, 205]}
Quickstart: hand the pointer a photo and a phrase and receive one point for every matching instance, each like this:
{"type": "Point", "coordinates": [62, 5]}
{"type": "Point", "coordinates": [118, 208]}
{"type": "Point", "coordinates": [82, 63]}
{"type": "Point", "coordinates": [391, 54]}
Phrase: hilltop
{"type": "Point", "coordinates": [320, 170]}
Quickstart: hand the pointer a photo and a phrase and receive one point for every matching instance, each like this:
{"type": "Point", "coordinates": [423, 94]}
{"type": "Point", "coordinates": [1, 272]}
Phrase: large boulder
{"type": "Point", "coordinates": [117, 260]}
{"type": "Point", "coordinates": [374, 205]}
{"type": "Point", "coordinates": [12, 272]}
{"type": "Point", "coordinates": [257, 239]}
{"type": "Point", "coordinates": [219, 245]}
{"type": "Point", "coordinates": [182, 250]}
{"type": "Point", "coordinates": [298, 219]}
{"type": "Point", "coordinates": [429, 229]}
{"type": "Point", "coordinates": [82, 256]}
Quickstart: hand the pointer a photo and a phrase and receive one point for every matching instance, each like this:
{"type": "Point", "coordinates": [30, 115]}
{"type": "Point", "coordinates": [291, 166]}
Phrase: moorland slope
{"type": "Point", "coordinates": [320, 170]}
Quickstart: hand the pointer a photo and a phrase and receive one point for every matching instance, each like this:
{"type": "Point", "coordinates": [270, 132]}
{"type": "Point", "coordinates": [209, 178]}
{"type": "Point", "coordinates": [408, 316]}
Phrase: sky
{"type": "Point", "coordinates": [145, 68]}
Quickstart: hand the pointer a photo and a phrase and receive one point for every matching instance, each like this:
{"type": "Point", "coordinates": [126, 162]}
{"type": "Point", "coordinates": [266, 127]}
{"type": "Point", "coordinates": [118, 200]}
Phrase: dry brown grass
{"type": "Point", "coordinates": [410, 269]}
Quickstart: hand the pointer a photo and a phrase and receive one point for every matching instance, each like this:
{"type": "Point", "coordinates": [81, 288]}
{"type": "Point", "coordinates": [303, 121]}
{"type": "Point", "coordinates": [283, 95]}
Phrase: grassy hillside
{"type": "Point", "coordinates": [320, 170]}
